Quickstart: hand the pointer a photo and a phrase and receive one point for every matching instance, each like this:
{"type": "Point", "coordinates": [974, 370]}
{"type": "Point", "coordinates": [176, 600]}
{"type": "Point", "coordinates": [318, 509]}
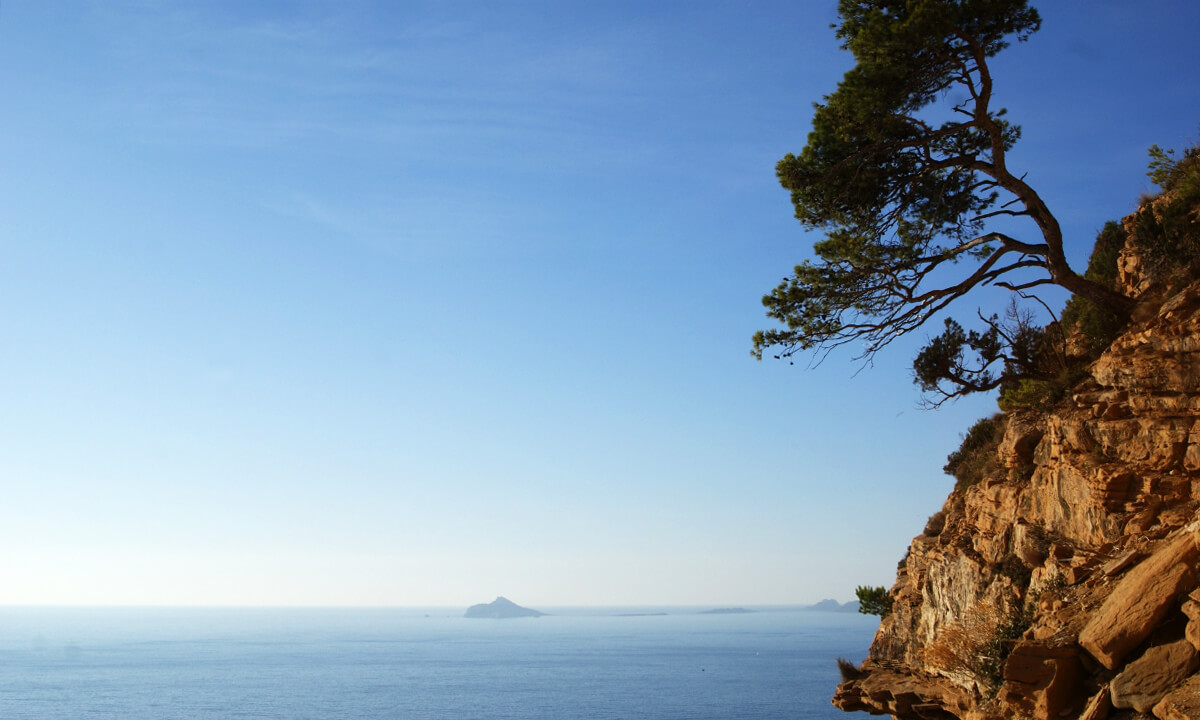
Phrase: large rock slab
{"type": "Point", "coordinates": [1141, 599]}
{"type": "Point", "coordinates": [1145, 681]}
{"type": "Point", "coordinates": [902, 694]}
{"type": "Point", "coordinates": [1182, 703]}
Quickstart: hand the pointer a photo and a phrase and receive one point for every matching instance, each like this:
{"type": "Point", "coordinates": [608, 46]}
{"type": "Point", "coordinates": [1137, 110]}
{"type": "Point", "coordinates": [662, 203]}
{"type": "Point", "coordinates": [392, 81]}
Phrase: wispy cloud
{"type": "Point", "coordinates": [427, 83]}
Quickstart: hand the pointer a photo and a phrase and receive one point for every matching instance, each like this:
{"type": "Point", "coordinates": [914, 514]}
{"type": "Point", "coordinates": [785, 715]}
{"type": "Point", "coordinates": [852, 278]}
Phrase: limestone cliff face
{"type": "Point", "coordinates": [1067, 585]}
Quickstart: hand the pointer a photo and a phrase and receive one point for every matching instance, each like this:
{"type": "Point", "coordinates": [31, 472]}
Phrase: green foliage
{"type": "Point", "coordinates": [873, 601]}
{"type": "Point", "coordinates": [958, 362]}
{"type": "Point", "coordinates": [883, 183]}
{"type": "Point", "coordinates": [943, 358]}
{"type": "Point", "coordinates": [1102, 264]}
{"type": "Point", "coordinates": [1161, 166]}
{"type": "Point", "coordinates": [1169, 173]}
{"type": "Point", "coordinates": [989, 666]}
{"type": "Point", "coordinates": [1039, 394]}
{"type": "Point", "coordinates": [1167, 228]}
{"type": "Point", "coordinates": [976, 458]}
{"type": "Point", "coordinates": [1094, 325]}
{"type": "Point", "coordinates": [903, 170]}
{"type": "Point", "coordinates": [1029, 363]}
{"type": "Point", "coordinates": [935, 524]}
{"type": "Point", "coordinates": [1051, 586]}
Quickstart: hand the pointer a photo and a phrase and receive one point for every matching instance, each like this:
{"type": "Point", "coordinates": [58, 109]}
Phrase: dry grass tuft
{"type": "Point", "coordinates": [849, 670]}
{"type": "Point", "coordinates": [958, 649]}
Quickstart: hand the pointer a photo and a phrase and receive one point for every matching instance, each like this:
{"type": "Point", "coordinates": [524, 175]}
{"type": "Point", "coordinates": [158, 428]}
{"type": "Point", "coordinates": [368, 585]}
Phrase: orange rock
{"type": "Point", "coordinates": [1145, 681]}
{"type": "Point", "coordinates": [1182, 703]}
{"type": "Point", "coordinates": [1141, 599]}
{"type": "Point", "coordinates": [1043, 680]}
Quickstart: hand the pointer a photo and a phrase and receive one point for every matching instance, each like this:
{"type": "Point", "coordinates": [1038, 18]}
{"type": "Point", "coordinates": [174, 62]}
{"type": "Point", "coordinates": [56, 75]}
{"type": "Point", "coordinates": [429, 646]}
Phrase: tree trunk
{"type": "Point", "coordinates": [1121, 306]}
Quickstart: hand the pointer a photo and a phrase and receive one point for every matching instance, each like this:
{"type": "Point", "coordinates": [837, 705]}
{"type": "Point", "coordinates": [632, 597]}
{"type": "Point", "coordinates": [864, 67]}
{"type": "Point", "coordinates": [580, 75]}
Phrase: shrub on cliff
{"type": "Point", "coordinates": [935, 525]}
{"type": "Point", "coordinates": [1041, 393]}
{"type": "Point", "coordinates": [1167, 227]}
{"type": "Point", "coordinates": [873, 600]}
{"type": "Point", "coordinates": [976, 457]}
{"type": "Point", "coordinates": [848, 670]}
{"type": "Point", "coordinates": [973, 649]}
{"type": "Point", "coordinates": [1092, 327]}
{"type": "Point", "coordinates": [1165, 233]}
{"type": "Point", "coordinates": [989, 666]}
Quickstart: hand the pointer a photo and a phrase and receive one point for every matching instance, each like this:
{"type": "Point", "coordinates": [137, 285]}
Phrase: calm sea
{"type": "Point", "coordinates": [422, 664]}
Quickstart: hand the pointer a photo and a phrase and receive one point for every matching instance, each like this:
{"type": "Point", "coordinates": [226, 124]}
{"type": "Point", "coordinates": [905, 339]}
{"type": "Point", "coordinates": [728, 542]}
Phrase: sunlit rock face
{"type": "Point", "coordinates": [1067, 583]}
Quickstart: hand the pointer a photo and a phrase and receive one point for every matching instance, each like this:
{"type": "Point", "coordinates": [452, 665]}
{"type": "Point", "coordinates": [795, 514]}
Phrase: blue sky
{"type": "Point", "coordinates": [421, 303]}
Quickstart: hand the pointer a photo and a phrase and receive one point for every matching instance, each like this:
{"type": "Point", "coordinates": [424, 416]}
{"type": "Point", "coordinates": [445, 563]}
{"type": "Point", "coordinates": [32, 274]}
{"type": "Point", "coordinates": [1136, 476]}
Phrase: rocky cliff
{"type": "Point", "coordinates": [1066, 582]}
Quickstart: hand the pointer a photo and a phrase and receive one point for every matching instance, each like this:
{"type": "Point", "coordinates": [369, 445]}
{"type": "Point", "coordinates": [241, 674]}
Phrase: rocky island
{"type": "Point", "coordinates": [501, 608]}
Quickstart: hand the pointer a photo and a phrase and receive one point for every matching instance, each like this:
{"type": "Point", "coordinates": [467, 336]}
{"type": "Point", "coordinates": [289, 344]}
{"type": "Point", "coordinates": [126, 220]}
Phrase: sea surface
{"type": "Point", "coordinates": [425, 664]}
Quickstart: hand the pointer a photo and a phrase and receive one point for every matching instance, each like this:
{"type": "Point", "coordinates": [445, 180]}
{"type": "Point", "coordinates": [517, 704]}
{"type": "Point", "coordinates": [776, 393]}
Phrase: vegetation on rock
{"type": "Point", "coordinates": [975, 647]}
{"type": "Point", "coordinates": [873, 600]}
{"type": "Point", "coordinates": [976, 457]}
{"type": "Point", "coordinates": [1075, 564]}
{"type": "Point", "coordinates": [1167, 227]}
{"type": "Point", "coordinates": [906, 174]}
{"type": "Point", "coordinates": [1084, 540]}
{"type": "Point", "coordinates": [848, 670]}
{"type": "Point", "coordinates": [904, 170]}
{"type": "Point", "coordinates": [1092, 326]}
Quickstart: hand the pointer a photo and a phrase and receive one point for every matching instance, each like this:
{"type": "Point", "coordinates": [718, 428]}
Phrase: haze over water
{"type": "Point", "coordinates": [429, 664]}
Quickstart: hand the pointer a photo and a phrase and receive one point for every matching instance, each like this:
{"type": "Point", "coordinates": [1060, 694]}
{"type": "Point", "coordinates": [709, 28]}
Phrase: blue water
{"type": "Point", "coordinates": [427, 665]}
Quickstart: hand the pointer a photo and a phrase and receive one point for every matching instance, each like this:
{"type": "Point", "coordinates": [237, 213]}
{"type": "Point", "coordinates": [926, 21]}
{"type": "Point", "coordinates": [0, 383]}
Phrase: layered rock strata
{"type": "Point", "coordinates": [1066, 585]}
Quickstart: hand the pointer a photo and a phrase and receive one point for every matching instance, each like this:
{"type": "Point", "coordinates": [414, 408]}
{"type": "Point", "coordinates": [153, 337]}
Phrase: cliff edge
{"type": "Point", "coordinates": [1064, 583]}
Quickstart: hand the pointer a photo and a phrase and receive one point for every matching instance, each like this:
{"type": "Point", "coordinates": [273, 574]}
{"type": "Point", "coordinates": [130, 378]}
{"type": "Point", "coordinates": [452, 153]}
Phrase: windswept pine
{"type": "Point", "coordinates": [906, 173]}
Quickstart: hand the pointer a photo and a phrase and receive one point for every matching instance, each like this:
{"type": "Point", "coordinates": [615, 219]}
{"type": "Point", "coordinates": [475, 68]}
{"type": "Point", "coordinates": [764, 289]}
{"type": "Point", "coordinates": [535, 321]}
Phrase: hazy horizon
{"type": "Point", "coordinates": [624, 610]}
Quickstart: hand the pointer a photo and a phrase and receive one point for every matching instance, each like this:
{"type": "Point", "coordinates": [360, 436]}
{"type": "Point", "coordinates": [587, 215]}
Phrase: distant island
{"type": "Point", "coordinates": [834, 606]}
{"type": "Point", "coordinates": [501, 608]}
{"type": "Point", "coordinates": [726, 611]}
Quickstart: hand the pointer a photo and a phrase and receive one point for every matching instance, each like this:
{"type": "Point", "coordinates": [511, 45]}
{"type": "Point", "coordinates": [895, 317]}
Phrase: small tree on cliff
{"type": "Point", "coordinates": [904, 171]}
{"type": "Point", "coordinates": [873, 600]}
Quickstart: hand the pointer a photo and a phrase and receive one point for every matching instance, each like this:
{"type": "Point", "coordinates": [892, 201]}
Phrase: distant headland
{"type": "Point", "coordinates": [501, 608]}
{"type": "Point", "coordinates": [834, 606]}
{"type": "Point", "coordinates": [726, 611]}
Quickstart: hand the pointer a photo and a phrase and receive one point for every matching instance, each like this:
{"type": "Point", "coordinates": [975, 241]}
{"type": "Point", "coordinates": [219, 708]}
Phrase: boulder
{"type": "Point", "coordinates": [1182, 703]}
{"type": "Point", "coordinates": [1141, 599]}
{"type": "Point", "coordinates": [1043, 680]}
{"type": "Point", "coordinates": [1145, 681]}
{"type": "Point", "coordinates": [902, 695]}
